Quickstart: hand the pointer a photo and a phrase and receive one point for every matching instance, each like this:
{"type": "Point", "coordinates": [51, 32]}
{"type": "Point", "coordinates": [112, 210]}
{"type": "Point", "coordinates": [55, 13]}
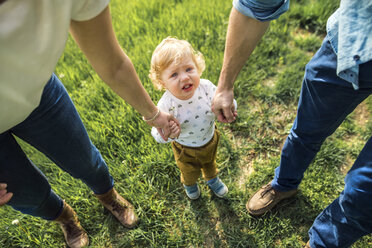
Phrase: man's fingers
{"type": "Point", "coordinates": [5, 198]}
{"type": "Point", "coordinates": [221, 117]}
{"type": "Point", "coordinates": [3, 186]}
{"type": "Point", "coordinates": [227, 115]}
{"type": "Point", "coordinates": [2, 192]}
{"type": "Point", "coordinates": [234, 113]}
{"type": "Point", "coordinates": [216, 112]}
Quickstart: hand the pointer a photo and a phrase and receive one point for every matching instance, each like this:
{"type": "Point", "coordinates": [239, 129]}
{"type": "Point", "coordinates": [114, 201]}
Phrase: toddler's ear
{"type": "Point", "coordinates": [159, 85]}
{"type": "Point", "coordinates": [162, 85]}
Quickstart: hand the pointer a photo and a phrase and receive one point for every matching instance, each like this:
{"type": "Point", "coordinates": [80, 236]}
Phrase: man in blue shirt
{"type": "Point", "coordinates": [337, 79]}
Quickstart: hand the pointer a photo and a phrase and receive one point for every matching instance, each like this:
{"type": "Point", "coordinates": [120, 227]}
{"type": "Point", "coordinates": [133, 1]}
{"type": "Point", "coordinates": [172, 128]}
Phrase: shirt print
{"type": "Point", "coordinates": [195, 115]}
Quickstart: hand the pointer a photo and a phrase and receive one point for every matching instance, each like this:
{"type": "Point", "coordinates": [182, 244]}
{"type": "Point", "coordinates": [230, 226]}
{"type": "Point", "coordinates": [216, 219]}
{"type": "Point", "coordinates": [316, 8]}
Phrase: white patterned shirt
{"type": "Point", "coordinates": [195, 115]}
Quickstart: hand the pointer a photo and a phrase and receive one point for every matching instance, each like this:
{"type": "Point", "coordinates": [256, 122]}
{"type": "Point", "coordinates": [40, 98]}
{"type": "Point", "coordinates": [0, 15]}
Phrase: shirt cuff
{"type": "Point", "coordinates": [84, 10]}
{"type": "Point", "coordinates": [261, 10]}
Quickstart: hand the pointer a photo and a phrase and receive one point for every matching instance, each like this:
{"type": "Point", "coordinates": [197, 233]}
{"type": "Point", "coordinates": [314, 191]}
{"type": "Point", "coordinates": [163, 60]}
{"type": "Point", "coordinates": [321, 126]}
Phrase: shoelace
{"type": "Point", "coordinates": [72, 227]}
{"type": "Point", "coordinates": [192, 191]}
{"type": "Point", "coordinates": [267, 189]}
{"type": "Point", "coordinates": [216, 185]}
{"type": "Point", "coordinates": [116, 206]}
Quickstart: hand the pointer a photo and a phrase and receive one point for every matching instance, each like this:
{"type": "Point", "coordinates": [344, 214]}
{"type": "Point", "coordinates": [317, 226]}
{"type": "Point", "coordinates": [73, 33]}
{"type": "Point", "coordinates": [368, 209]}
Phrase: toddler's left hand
{"type": "Point", "coordinates": [175, 130]}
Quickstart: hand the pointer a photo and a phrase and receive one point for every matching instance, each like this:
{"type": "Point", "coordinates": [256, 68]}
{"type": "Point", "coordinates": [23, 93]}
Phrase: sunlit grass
{"type": "Point", "coordinates": [145, 173]}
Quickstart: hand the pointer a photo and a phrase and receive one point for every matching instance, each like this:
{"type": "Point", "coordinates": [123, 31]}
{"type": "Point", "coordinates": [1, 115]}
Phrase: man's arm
{"type": "Point", "coordinates": [243, 34]}
{"type": "Point", "coordinates": [97, 40]}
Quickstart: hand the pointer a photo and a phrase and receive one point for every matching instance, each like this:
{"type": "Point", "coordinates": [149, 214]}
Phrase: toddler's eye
{"type": "Point", "coordinates": [189, 69]}
{"type": "Point", "coordinates": [174, 74]}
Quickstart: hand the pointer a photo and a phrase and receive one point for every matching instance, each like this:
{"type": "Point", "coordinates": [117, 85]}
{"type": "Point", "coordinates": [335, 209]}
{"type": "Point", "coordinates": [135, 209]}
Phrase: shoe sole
{"type": "Point", "coordinates": [195, 198]}
{"type": "Point", "coordinates": [222, 196]}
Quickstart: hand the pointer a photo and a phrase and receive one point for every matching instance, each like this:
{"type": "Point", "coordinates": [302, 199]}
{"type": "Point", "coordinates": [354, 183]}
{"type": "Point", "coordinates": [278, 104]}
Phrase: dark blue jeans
{"type": "Point", "coordinates": [55, 129]}
{"type": "Point", "coordinates": [324, 103]}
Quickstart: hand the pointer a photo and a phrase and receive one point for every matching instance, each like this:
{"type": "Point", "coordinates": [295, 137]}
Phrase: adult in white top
{"type": "Point", "coordinates": [35, 106]}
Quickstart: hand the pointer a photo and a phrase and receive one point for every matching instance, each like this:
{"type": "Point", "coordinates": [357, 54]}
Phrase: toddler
{"type": "Point", "coordinates": [177, 67]}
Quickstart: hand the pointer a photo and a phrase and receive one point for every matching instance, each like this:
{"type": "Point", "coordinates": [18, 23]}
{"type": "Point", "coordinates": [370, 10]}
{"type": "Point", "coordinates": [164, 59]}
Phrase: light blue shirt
{"type": "Point", "coordinates": [349, 30]}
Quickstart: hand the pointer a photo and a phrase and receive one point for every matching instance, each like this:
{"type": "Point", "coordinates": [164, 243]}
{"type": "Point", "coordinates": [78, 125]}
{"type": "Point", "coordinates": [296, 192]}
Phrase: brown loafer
{"type": "Point", "coordinates": [119, 207]}
{"type": "Point", "coordinates": [266, 198]}
{"type": "Point", "coordinates": [74, 233]}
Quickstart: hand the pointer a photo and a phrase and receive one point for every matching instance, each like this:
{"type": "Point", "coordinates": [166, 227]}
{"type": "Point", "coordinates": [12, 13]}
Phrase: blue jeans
{"type": "Point", "coordinates": [55, 129]}
{"type": "Point", "coordinates": [324, 103]}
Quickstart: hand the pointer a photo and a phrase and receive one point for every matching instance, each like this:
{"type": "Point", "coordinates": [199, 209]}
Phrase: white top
{"type": "Point", "coordinates": [195, 115]}
{"type": "Point", "coordinates": [33, 34]}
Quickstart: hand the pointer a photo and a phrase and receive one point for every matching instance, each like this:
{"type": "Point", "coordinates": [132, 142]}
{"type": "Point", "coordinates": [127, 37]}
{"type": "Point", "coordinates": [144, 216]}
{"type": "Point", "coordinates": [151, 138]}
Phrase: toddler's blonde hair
{"type": "Point", "coordinates": [172, 50]}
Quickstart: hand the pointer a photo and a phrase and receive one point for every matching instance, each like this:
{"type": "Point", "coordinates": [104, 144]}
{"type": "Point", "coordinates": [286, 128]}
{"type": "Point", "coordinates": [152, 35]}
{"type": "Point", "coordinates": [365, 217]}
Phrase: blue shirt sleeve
{"type": "Point", "coordinates": [262, 10]}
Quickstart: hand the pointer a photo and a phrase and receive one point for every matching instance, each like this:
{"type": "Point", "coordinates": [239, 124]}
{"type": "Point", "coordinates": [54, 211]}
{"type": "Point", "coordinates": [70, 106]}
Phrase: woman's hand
{"type": "Point", "coordinates": [165, 123]}
{"type": "Point", "coordinates": [4, 195]}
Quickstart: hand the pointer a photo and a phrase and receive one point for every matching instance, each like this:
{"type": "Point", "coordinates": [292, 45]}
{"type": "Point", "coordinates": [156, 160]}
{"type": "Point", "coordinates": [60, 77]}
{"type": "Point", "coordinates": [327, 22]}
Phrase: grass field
{"type": "Point", "coordinates": [267, 91]}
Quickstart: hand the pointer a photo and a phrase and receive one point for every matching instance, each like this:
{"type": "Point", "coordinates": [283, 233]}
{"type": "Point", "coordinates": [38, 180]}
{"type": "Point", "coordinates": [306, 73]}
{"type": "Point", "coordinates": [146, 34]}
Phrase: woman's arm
{"type": "Point", "coordinates": [97, 40]}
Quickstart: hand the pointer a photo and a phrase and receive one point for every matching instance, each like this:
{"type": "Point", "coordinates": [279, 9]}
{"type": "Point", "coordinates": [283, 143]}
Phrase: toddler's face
{"type": "Point", "coordinates": [181, 79]}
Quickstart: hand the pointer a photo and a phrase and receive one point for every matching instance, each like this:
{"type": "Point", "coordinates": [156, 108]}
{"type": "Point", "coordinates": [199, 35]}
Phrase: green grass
{"type": "Point", "coordinates": [145, 173]}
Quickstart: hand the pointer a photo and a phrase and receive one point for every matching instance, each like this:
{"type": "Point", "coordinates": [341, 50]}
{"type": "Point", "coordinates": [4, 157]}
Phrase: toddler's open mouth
{"type": "Point", "coordinates": [187, 87]}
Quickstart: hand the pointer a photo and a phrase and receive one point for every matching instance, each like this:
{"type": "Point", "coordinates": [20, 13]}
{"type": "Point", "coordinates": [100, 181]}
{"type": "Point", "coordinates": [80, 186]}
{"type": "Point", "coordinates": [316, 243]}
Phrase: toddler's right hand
{"type": "Point", "coordinates": [175, 129]}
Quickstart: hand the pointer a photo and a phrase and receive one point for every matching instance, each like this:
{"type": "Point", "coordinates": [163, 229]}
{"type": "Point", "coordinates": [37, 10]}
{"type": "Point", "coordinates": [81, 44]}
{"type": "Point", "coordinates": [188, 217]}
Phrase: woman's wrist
{"type": "Point", "coordinates": [153, 117]}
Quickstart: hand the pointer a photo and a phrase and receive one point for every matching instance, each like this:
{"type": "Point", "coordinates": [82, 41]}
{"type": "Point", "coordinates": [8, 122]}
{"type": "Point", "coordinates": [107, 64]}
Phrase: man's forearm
{"type": "Point", "coordinates": [243, 34]}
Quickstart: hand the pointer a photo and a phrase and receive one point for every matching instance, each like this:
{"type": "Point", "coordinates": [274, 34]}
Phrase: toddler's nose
{"type": "Point", "coordinates": [184, 77]}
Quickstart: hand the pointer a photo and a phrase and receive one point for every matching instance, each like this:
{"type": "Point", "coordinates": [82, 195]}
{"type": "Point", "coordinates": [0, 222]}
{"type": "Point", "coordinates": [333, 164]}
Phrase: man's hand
{"type": "Point", "coordinates": [223, 106]}
{"type": "Point", "coordinates": [243, 34]}
{"type": "Point", "coordinates": [4, 195]}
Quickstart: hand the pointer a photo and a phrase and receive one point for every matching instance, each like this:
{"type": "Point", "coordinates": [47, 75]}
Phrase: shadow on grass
{"type": "Point", "coordinates": [234, 228]}
{"type": "Point", "coordinates": [113, 231]}
{"type": "Point", "coordinates": [205, 220]}
{"type": "Point", "coordinates": [288, 221]}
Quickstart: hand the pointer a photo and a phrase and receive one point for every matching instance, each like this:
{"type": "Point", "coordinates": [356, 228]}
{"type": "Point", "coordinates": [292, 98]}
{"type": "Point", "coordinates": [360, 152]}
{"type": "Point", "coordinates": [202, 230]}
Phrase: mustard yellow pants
{"type": "Point", "coordinates": [194, 160]}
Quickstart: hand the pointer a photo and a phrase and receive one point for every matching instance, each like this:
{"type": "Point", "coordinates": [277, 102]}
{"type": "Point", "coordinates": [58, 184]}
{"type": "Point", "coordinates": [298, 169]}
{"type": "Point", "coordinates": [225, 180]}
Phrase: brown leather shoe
{"type": "Point", "coordinates": [75, 235]}
{"type": "Point", "coordinates": [119, 207]}
{"type": "Point", "coordinates": [266, 198]}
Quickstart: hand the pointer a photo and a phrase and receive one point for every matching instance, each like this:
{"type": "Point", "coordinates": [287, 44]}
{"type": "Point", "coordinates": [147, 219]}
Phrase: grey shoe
{"type": "Point", "coordinates": [193, 191]}
{"type": "Point", "coordinates": [266, 198]}
{"type": "Point", "coordinates": [218, 187]}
